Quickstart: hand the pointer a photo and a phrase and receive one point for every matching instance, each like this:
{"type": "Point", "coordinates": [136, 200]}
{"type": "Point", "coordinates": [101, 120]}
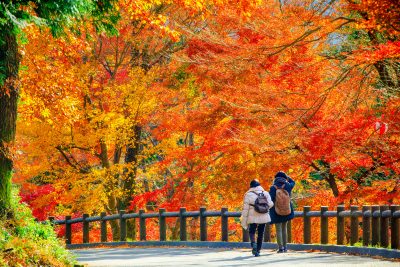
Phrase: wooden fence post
{"type": "Point", "coordinates": [245, 235]}
{"type": "Point", "coordinates": [203, 224]}
{"type": "Point", "coordinates": [306, 225]}
{"type": "Point", "coordinates": [122, 226]}
{"type": "Point", "coordinates": [267, 233]}
{"type": "Point", "coordinates": [324, 225]}
{"type": "Point", "coordinates": [162, 225]}
{"type": "Point", "coordinates": [395, 229]}
{"type": "Point", "coordinates": [103, 227]}
{"type": "Point", "coordinates": [85, 236]}
{"type": "Point", "coordinates": [224, 225]}
{"type": "Point", "coordinates": [366, 224]}
{"type": "Point", "coordinates": [142, 225]}
{"type": "Point", "coordinates": [339, 226]}
{"type": "Point", "coordinates": [375, 227]}
{"type": "Point", "coordinates": [384, 228]}
{"type": "Point", "coordinates": [182, 224]}
{"type": "Point", "coordinates": [353, 225]}
{"type": "Point", "coordinates": [68, 231]}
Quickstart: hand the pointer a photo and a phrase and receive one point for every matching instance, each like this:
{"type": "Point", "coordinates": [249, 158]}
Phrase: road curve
{"type": "Point", "coordinates": [183, 256]}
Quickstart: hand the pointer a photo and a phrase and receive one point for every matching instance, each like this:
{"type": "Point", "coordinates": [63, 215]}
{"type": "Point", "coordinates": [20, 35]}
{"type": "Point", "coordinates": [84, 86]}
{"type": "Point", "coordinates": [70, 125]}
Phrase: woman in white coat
{"type": "Point", "coordinates": [252, 219]}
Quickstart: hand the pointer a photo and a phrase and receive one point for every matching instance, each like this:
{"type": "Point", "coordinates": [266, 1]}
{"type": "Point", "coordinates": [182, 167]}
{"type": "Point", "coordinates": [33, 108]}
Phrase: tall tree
{"type": "Point", "coordinates": [14, 15]}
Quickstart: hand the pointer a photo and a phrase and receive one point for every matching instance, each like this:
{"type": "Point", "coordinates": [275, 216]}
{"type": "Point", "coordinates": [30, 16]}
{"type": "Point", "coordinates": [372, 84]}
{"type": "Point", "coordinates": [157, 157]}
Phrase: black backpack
{"type": "Point", "coordinates": [261, 203]}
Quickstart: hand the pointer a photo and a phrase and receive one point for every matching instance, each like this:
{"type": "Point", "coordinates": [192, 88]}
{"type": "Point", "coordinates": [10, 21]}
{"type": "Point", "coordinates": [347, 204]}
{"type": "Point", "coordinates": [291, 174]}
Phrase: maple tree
{"type": "Point", "coordinates": [241, 119]}
{"type": "Point", "coordinates": [88, 121]}
{"type": "Point", "coordinates": [85, 125]}
{"type": "Point", "coordinates": [14, 16]}
{"type": "Point", "coordinates": [254, 132]}
{"type": "Point", "coordinates": [190, 101]}
{"type": "Point", "coordinates": [56, 15]}
{"type": "Point", "coordinates": [371, 45]}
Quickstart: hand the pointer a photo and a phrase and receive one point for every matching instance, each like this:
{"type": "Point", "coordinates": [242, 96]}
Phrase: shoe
{"type": "Point", "coordinates": [254, 249]}
{"type": "Point", "coordinates": [280, 250]}
{"type": "Point", "coordinates": [259, 246]}
{"type": "Point", "coordinates": [257, 254]}
{"type": "Point", "coordinates": [284, 249]}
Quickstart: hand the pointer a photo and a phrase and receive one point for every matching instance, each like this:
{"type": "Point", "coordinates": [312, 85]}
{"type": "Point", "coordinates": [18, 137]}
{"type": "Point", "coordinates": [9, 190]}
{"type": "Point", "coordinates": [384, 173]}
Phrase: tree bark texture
{"type": "Point", "coordinates": [131, 156]}
{"type": "Point", "coordinates": [9, 64]}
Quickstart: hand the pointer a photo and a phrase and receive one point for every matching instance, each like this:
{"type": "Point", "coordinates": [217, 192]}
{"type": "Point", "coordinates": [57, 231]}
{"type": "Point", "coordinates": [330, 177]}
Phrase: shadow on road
{"type": "Point", "coordinates": [183, 256]}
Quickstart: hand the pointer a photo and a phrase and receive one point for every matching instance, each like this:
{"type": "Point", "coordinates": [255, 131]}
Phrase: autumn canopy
{"type": "Point", "coordinates": [121, 105]}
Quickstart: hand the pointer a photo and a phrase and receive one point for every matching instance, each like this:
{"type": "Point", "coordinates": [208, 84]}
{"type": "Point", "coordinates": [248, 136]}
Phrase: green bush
{"type": "Point", "coordinates": [24, 242]}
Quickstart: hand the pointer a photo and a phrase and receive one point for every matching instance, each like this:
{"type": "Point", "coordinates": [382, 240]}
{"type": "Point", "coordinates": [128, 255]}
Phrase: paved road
{"type": "Point", "coordinates": [218, 257]}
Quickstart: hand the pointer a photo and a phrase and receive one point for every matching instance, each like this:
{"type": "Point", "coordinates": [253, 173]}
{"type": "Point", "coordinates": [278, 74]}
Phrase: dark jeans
{"type": "Point", "coordinates": [260, 234]}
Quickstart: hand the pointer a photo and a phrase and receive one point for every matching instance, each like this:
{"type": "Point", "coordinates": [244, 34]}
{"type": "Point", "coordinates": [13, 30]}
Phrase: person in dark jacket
{"type": "Point", "coordinates": [280, 221]}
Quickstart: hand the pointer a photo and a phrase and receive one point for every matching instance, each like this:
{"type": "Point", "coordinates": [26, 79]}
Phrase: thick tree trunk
{"type": "Point", "coordinates": [112, 209]}
{"type": "Point", "coordinates": [9, 63]}
{"type": "Point", "coordinates": [112, 202]}
{"type": "Point", "coordinates": [175, 230]}
{"type": "Point", "coordinates": [115, 230]}
{"type": "Point", "coordinates": [131, 227]}
{"type": "Point", "coordinates": [131, 156]}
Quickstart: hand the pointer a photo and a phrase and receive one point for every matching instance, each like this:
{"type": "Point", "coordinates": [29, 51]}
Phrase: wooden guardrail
{"type": "Point", "coordinates": [377, 222]}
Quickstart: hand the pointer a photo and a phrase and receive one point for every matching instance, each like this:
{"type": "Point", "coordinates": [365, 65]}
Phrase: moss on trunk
{"type": "Point", "coordinates": [9, 63]}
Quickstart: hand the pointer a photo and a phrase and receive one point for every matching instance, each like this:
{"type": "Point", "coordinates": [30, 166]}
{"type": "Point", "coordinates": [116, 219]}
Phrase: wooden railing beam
{"type": "Point", "coordinates": [366, 225]}
{"type": "Point", "coordinates": [353, 225]}
{"type": "Point", "coordinates": [224, 225]}
{"type": "Point", "coordinates": [384, 227]}
{"type": "Point", "coordinates": [122, 225]}
{"type": "Point", "coordinates": [142, 225]}
{"type": "Point", "coordinates": [182, 224]}
{"type": "Point", "coordinates": [162, 225]}
{"type": "Point", "coordinates": [395, 228]}
{"type": "Point", "coordinates": [377, 223]}
{"type": "Point", "coordinates": [339, 226]}
{"type": "Point", "coordinates": [68, 231]}
{"type": "Point", "coordinates": [375, 239]}
{"type": "Point", "coordinates": [103, 228]}
{"type": "Point", "coordinates": [306, 225]}
{"type": "Point", "coordinates": [203, 224]}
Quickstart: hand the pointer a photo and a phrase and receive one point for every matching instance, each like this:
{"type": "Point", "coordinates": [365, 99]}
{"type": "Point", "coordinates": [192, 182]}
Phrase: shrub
{"type": "Point", "coordinates": [25, 242]}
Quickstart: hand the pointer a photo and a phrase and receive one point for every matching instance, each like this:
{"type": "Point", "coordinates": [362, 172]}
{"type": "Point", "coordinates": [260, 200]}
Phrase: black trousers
{"type": "Point", "coordinates": [260, 234]}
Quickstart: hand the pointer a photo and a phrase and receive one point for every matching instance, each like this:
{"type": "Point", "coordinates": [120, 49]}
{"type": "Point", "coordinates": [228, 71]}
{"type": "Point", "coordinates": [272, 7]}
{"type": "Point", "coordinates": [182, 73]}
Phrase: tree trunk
{"type": "Point", "coordinates": [330, 178]}
{"type": "Point", "coordinates": [131, 227]}
{"type": "Point", "coordinates": [131, 156]}
{"type": "Point", "coordinates": [112, 202]}
{"type": "Point", "coordinates": [175, 230]}
{"type": "Point", "coordinates": [112, 209]}
{"type": "Point", "coordinates": [391, 82]}
{"type": "Point", "coordinates": [9, 64]}
{"type": "Point", "coordinates": [327, 175]}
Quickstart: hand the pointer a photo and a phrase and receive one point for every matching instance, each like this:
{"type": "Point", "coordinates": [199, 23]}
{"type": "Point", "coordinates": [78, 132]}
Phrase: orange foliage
{"type": "Point", "coordinates": [209, 100]}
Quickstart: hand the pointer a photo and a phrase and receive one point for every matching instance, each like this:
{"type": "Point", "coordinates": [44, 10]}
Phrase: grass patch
{"type": "Point", "coordinates": [360, 244]}
{"type": "Point", "coordinates": [25, 242]}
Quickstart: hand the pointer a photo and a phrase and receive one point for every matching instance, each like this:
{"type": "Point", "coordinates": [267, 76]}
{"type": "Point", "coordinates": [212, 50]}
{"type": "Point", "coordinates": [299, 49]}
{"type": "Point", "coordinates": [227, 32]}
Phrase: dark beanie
{"type": "Point", "coordinates": [281, 174]}
{"type": "Point", "coordinates": [254, 183]}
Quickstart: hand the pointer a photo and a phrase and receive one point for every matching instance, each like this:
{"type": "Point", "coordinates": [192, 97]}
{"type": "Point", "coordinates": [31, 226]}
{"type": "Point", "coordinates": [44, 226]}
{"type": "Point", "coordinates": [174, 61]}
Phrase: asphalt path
{"type": "Point", "coordinates": [183, 256]}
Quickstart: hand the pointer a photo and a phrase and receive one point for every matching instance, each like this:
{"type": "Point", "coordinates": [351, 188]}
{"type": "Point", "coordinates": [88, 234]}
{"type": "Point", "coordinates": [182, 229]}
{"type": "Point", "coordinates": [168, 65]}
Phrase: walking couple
{"type": "Point", "coordinates": [261, 207]}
